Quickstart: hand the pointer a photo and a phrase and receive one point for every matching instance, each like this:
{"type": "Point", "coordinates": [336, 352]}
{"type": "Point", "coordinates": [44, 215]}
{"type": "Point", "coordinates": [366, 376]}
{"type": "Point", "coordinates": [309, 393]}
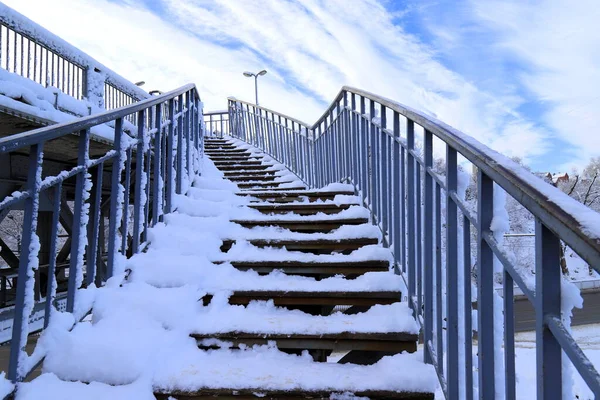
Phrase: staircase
{"type": "Point", "coordinates": [288, 205]}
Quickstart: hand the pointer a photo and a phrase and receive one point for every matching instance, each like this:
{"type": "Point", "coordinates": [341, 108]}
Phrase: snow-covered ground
{"type": "Point", "coordinates": [587, 337]}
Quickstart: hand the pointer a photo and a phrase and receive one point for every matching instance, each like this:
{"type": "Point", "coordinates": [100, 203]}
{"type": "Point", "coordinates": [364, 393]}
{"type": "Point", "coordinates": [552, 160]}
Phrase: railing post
{"type": "Point", "coordinates": [78, 234]}
{"type": "Point", "coordinates": [168, 179]}
{"type": "Point", "coordinates": [452, 378]}
{"type": "Point", "coordinates": [384, 168]}
{"type": "Point", "coordinates": [141, 181]}
{"type": "Point", "coordinates": [410, 196]}
{"type": "Point", "coordinates": [485, 288]}
{"type": "Point", "coordinates": [27, 262]}
{"type": "Point", "coordinates": [51, 284]}
{"type": "Point", "coordinates": [364, 154]}
{"type": "Point", "coordinates": [157, 183]}
{"type": "Point", "coordinates": [94, 224]}
{"type": "Point", "coordinates": [115, 199]}
{"type": "Point", "coordinates": [428, 250]}
{"type": "Point", "coordinates": [125, 206]}
{"type": "Point", "coordinates": [548, 299]}
{"type": "Point", "coordinates": [180, 149]}
{"type": "Point", "coordinates": [189, 137]}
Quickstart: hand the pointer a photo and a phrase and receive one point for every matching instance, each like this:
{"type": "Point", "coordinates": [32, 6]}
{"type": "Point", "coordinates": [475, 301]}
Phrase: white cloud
{"type": "Point", "coordinates": [558, 44]}
{"type": "Point", "coordinates": [311, 48]}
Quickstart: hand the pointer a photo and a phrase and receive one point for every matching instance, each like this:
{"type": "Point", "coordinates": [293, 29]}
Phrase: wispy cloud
{"type": "Point", "coordinates": [311, 48]}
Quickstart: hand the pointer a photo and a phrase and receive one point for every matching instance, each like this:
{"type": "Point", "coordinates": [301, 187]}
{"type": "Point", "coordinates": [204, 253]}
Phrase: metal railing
{"type": "Point", "coordinates": [217, 123]}
{"type": "Point", "coordinates": [28, 50]}
{"type": "Point", "coordinates": [146, 171]}
{"type": "Point", "coordinates": [386, 150]}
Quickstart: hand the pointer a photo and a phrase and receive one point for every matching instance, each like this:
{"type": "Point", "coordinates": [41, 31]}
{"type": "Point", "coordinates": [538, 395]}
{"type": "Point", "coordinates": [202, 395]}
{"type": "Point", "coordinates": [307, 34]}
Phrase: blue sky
{"type": "Point", "coordinates": [521, 76]}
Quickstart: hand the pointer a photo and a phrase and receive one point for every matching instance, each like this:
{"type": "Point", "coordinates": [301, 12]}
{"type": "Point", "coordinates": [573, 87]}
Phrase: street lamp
{"type": "Point", "coordinates": [252, 74]}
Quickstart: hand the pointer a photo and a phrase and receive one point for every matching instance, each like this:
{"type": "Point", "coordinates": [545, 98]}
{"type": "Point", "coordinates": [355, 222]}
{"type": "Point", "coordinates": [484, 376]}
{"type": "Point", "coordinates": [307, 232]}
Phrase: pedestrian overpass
{"type": "Point", "coordinates": [260, 256]}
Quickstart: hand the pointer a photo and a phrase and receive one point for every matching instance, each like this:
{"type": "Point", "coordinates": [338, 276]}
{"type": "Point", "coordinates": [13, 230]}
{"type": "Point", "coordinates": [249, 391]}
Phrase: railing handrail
{"type": "Point", "coordinates": [304, 124]}
{"type": "Point", "coordinates": [40, 35]}
{"type": "Point", "coordinates": [555, 208]}
{"type": "Point", "coordinates": [13, 142]}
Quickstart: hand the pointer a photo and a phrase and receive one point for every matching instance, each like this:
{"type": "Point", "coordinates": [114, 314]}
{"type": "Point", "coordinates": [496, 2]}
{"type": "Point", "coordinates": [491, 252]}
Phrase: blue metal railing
{"type": "Point", "coordinates": [29, 50]}
{"type": "Point", "coordinates": [146, 170]}
{"type": "Point", "coordinates": [369, 141]}
{"type": "Point", "coordinates": [216, 123]}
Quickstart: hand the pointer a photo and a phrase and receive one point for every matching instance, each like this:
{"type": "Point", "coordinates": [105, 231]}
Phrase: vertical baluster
{"type": "Point", "coordinates": [468, 309]}
{"type": "Point", "coordinates": [35, 61]}
{"type": "Point", "coordinates": [27, 261]}
{"type": "Point", "coordinates": [77, 246]}
{"type": "Point", "coordinates": [279, 139]}
{"type": "Point", "coordinates": [188, 133]}
{"type": "Point", "coordinates": [169, 157]}
{"type": "Point", "coordinates": [383, 189]}
{"type": "Point", "coordinates": [180, 146]}
{"type": "Point", "coordinates": [1, 46]}
{"type": "Point", "coordinates": [377, 172]}
{"type": "Point", "coordinates": [404, 207]}
{"type": "Point", "coordinates": [338, 162]}
{"type": "Point", "coordinates": [397, 200]}
{"type": "Point", "coordinates": [411, 195]}
{"type": "Point", "coordinates": [364, 156]}
{"type": "Point", "coordinates": [125, 223]}
{"type": "Point", "coordinates": [548, 299]}
{"type": "Point", "coordinates": [419, 236]}
{"type": "Point", "coordinates": [428, 249]}
{"type": "Point", "coordinates": [94, 224]}
{"type": "Point", "coordinates": [509, 336]}
{"type": "Point", "coordinates": [373, 163]}
{"type": "Point", "coordinates": [485, 288]}
{"type": "Point", "coordinates": [114, 220]}
{"type": "Point", "coordinates": [353, 142]}
{"type": "Point", "coordinates": [51, 283]}
{"type": "Point", "coordinates": [157, 158]}
{"type": "Point", "coordinates": [439, 287]}
{"type": "Point", "coordinates": [452, 378]}
{"type": "Point", "coordinates": [22, 54]}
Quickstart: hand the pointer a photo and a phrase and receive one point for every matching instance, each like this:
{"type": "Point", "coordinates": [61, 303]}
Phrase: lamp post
{"type": "Point", "coordinates": [255, 75]}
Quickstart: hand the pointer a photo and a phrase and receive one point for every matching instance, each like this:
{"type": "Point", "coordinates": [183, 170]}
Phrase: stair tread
{"type": "Point", "coordinates": [248, 393]}
{"type": "Point", "coordinates": [390, 294]}
{"type": "Point", "coordinates": [297, 192]}
{"type": "Point", "coordinates": [348, 335]}
{"type": "Point", "coordinates": [347, 221]}
{"type": "Point", "coordinates": [365, 240]}
{"type": "Point", "coordinates": [296, 263]}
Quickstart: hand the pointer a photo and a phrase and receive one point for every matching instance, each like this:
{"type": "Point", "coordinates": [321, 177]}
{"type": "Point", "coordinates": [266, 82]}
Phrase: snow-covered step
{"type": "Point", "coordinates": [238, 164]}
{"type": "Point", "coordinates": [252, 166]}
{"type": "Point", "coordinates": [284, 298]}
{"type": "Point", "coordinates": [223, 149]}
{"type": "Point", "coordinates": [389, 342]}
{"type": "Point", "coordinates": [303, 225]}
{"type": "Point", "coordinates": [291, 267]}
{"type": "Point", "coordinates": [240, 177]}
{"type": "Point", "coordinates": [300, 208]}
{"type": "Point", "coordinates": [258, 185]}
{"type": "Point", "coordinates": [295, 195]}
{"type": "Point", "coordinates": [235, 158]}
{"type": "Point", "coordinates": [318, 246]}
